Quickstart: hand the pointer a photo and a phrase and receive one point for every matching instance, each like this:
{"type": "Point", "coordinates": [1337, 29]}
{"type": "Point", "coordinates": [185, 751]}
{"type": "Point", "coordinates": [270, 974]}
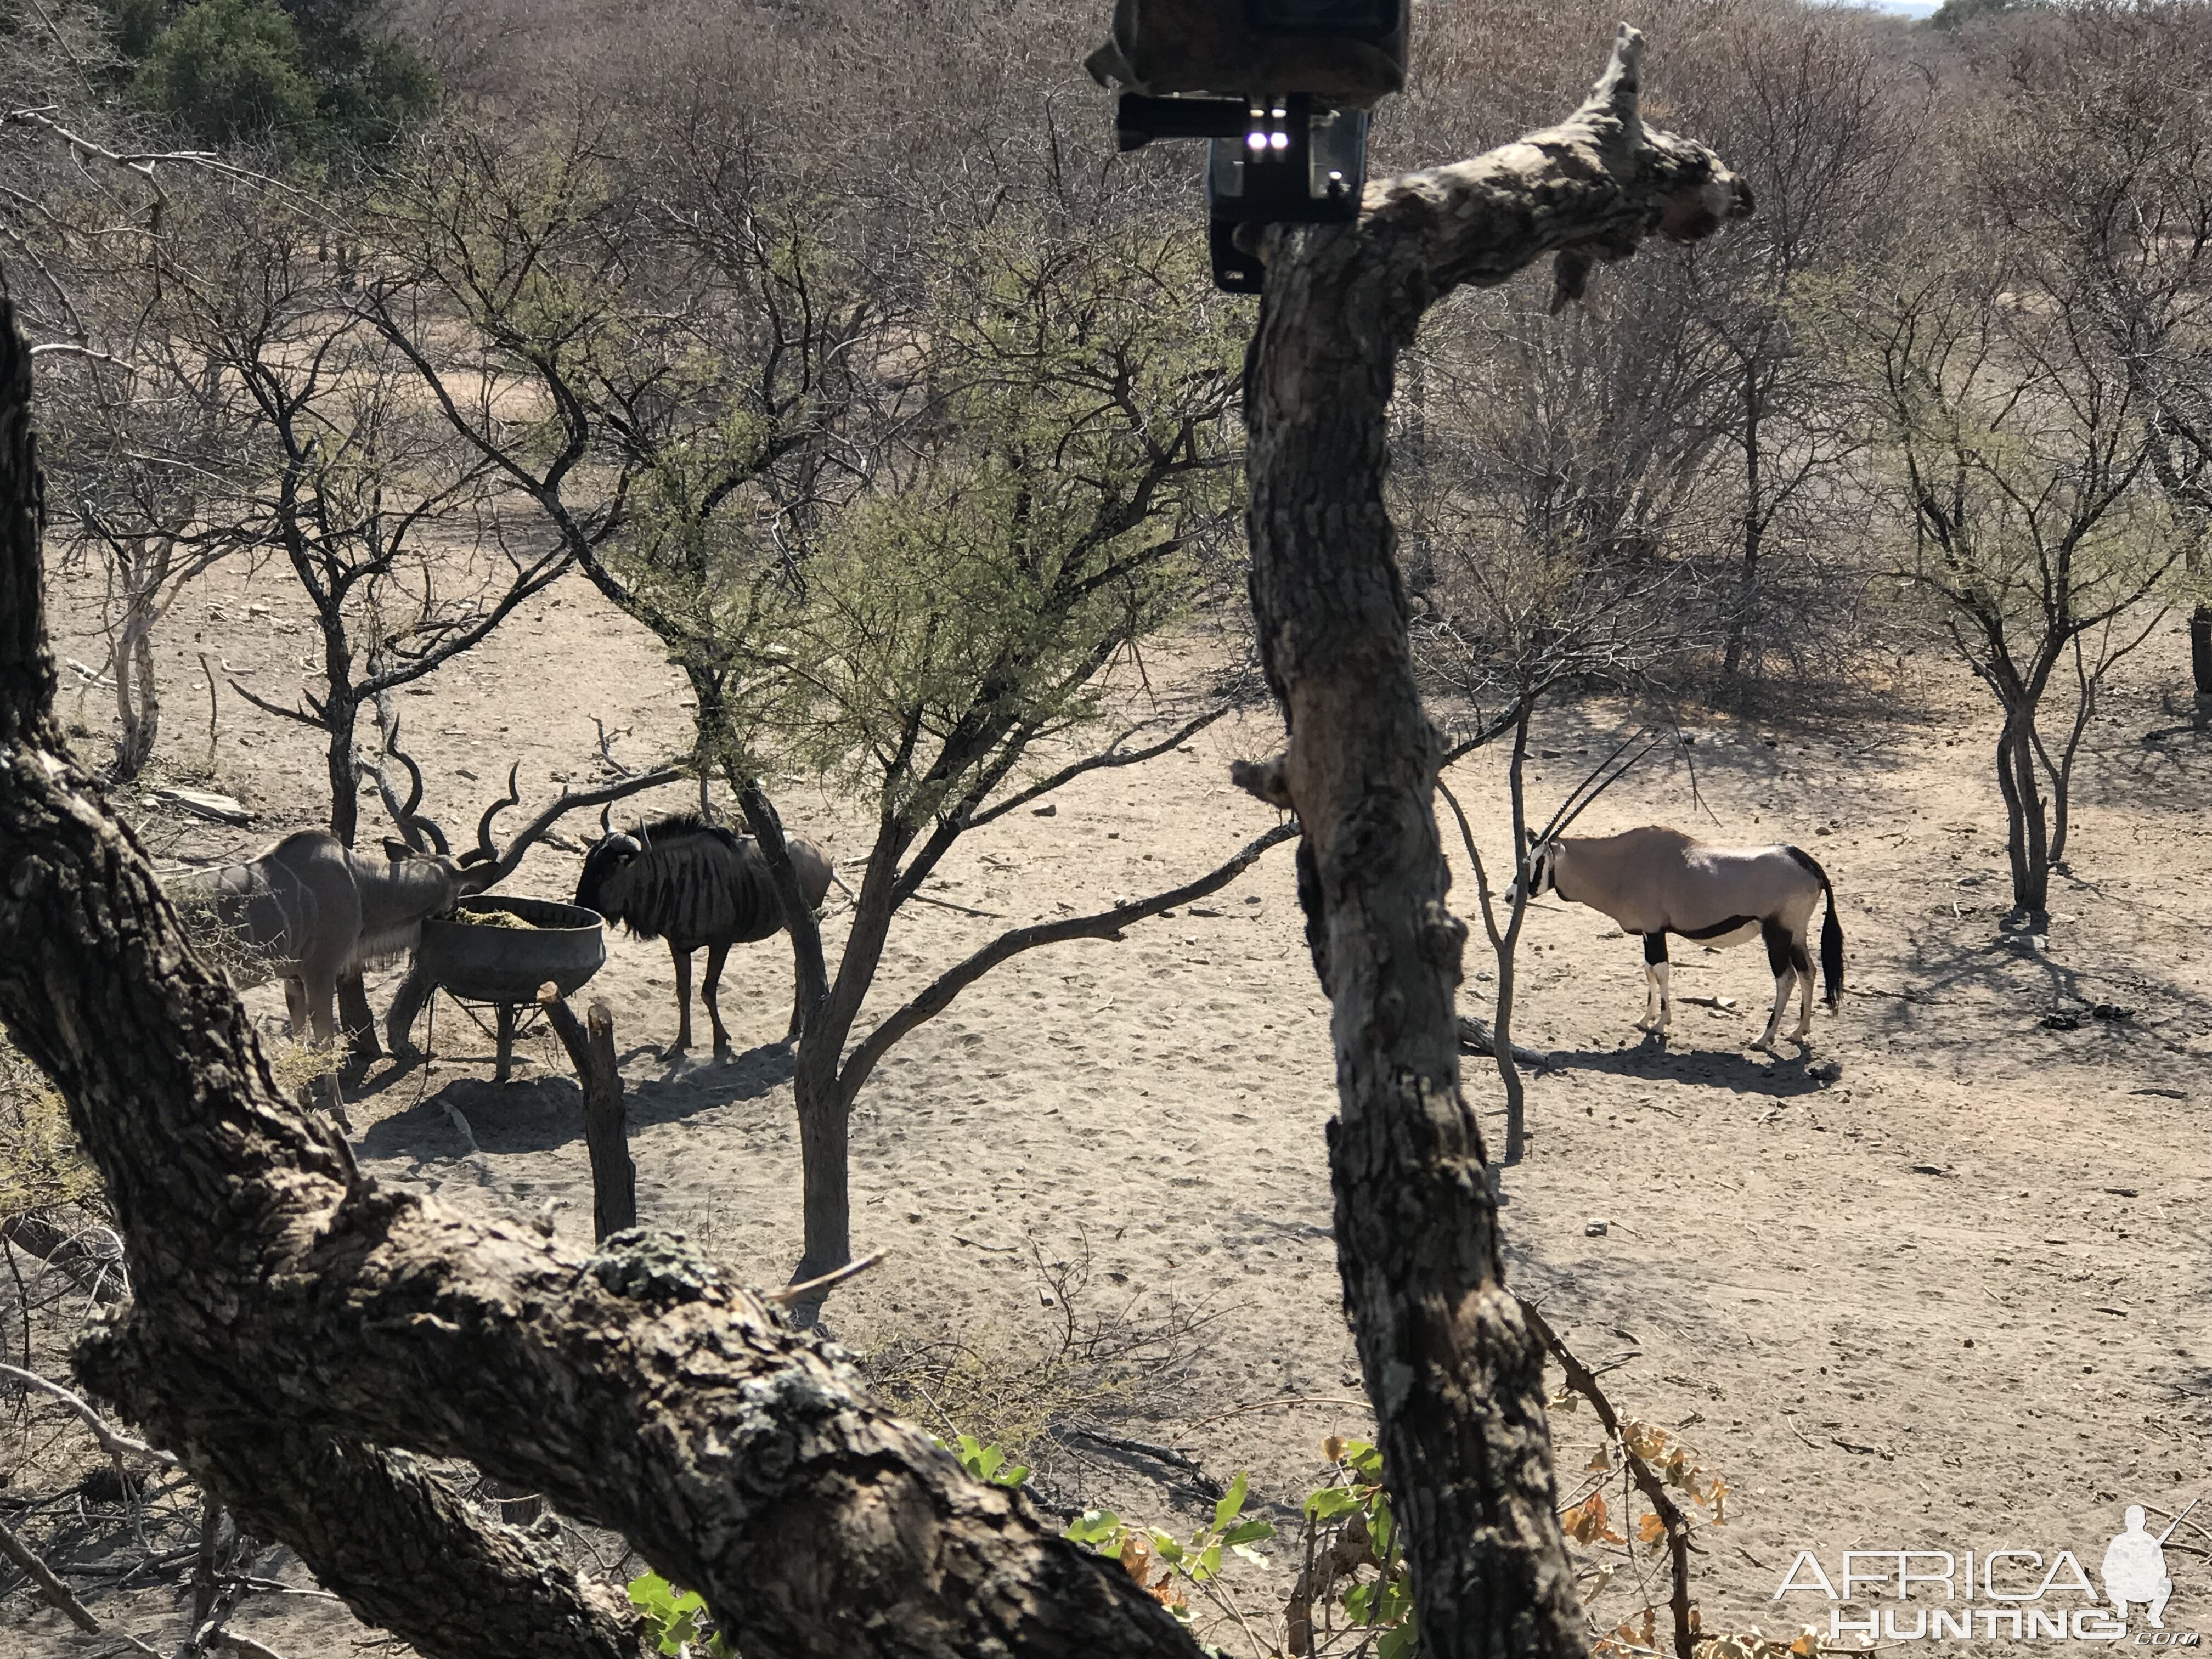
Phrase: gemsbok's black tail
{"type": "Point", "coordinates": [1831, 952]}
{"type": "Point", "coordinates": [1831, 931]}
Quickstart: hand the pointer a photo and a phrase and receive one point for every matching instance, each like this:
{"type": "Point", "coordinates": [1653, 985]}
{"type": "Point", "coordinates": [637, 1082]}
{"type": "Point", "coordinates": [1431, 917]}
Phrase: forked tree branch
{"type": "Point", "coordinates": [1453, 1371]}
{"type": "Point", "coordinates": [938, 996]}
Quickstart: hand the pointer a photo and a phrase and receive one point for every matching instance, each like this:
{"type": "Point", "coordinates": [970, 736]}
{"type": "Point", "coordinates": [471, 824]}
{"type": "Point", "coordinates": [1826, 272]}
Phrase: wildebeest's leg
{"type": "Point", "coordinates": [1658, 988]}
{"type": "Point", "coordinates": [682, 958]}
{"type": "Point", "coordinates": [716, 955]}
{"type": "Point", "coordinates": [1779, 949]}
{"type": "Point", "coordinates": [1801, 959]}
{"type": "Point", "coordinates": [406, 1005]}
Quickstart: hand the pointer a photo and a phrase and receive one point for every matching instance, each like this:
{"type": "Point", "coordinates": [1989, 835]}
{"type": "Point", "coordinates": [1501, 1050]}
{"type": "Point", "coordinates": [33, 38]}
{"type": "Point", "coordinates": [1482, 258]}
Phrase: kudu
{"type": "Point", "coordinates": [309, 911]}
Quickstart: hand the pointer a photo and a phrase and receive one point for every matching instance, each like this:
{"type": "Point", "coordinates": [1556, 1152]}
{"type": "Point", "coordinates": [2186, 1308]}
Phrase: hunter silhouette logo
{"type": "Point", "coordinates": [2135, 1567]}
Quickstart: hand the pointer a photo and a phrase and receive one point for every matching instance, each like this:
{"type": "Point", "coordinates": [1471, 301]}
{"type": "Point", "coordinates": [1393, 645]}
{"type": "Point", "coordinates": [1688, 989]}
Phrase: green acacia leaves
{"type": "Point", "coordinates": [674, 1617]}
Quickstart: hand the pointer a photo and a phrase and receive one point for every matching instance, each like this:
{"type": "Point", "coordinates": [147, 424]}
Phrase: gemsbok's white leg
{"type": "Point", "coordinates": [1652, 971]}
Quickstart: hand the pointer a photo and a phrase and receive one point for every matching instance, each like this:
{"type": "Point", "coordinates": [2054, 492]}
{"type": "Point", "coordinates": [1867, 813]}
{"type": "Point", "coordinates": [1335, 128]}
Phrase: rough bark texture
{"type": "Point", "coordinates": [292, 1316]}
{"type": "Point", "coordinates": [1453, 1372]}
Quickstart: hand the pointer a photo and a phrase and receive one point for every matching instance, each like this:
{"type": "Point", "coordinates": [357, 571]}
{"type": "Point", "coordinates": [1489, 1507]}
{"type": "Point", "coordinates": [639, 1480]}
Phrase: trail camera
{"type": "Point", "coordinates": [1279, 89]}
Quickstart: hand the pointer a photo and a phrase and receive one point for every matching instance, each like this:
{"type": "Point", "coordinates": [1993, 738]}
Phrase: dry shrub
{"type": "Point", "coordinates": [1010, 1386]}
{"type": "Point", "coordinates": [41, 1165]}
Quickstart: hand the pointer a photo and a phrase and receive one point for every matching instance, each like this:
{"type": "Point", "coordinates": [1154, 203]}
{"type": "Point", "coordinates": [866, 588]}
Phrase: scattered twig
{"type": "Point", "coordinates": [947, 904]}
{"type": "Point", "coordinates": [1170, 1456]}
{"type": "Point", "coordinates": [57, 1594]}
{"type": "Point", "coordinates": [111, 1441]}
{"type": "Point", "coordinates": [791, 1293]}
{"type": "Point", "coordinates": [1272, 1405]}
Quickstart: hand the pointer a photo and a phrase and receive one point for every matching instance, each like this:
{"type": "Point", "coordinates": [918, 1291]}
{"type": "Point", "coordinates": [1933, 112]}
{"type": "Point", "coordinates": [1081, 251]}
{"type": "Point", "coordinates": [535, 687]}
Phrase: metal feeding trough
{"type": "Point", "coordinates": [484, 962]}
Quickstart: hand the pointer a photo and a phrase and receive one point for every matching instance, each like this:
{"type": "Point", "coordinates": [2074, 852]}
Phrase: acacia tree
{"type": "Point", "coordinates": [1042, 512]}
{"type": "Point", "coordinates": [2105, 183]}
{"type": "Point", "coordinates": [2019, 453]}
{"type": "Point", "coordinates": [1572, 449]}
{"type": "Point", "coordinates": [1809, 104]}
{"type": "Point", "coordinates": [138, 457]}
{"type": "Point", "coordinates": [296, 1324]}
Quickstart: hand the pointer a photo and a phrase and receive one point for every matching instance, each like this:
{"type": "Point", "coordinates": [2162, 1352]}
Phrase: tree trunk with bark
{"type": "Point", "coordinates": [1454, 1372]}
{"type": "Point", "coordinates": [298, 1328]}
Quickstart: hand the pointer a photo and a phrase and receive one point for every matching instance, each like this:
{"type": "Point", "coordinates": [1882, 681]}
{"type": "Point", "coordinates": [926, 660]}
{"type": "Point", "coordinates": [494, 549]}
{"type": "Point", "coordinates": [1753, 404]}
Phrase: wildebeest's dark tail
{"type": "Point", "coordinates": [1831, 931]}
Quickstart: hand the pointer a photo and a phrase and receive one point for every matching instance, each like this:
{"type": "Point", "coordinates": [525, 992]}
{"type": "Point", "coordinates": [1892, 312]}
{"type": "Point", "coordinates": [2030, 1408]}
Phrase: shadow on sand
{"type": "Point", "coordinates": [1783, 1078]}
{"type": "Point", "coordinates": [538, 1114]}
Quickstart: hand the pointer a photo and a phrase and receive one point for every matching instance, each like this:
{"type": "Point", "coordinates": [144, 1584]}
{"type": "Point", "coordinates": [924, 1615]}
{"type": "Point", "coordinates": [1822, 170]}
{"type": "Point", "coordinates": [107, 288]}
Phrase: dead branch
{"type": "Point", "coordinates": [606, 1129]}
{"type": "Point", "coordinates": [111, 1441]}
{"type": "Point", "coordinates": [1583, 1382]}
{"type": "Point", "coordinates": [57, 1593]}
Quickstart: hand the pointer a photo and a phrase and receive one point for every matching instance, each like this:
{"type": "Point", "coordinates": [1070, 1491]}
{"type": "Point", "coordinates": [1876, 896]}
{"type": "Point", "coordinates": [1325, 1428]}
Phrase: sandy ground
{"type": "Point", "coordinates": [1952, 1297]}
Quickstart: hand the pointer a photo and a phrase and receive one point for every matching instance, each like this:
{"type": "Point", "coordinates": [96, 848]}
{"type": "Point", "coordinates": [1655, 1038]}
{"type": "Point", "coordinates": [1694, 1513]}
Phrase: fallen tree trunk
{"type": "Point", "coordinates": [296, 1325]}
{"type": "Point", "coordinates": [1475, 1037]}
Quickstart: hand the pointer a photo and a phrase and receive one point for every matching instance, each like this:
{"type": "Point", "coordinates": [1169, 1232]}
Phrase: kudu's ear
{"type": "Point", "coordinates": [396, 849]}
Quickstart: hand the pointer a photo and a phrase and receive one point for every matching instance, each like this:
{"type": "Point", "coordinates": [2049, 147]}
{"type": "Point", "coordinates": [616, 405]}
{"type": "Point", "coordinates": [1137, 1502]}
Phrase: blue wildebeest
{"type": "Point", "coordinates": [696, 883]}
{"type": "Point", "coordinates": [1655, 882]}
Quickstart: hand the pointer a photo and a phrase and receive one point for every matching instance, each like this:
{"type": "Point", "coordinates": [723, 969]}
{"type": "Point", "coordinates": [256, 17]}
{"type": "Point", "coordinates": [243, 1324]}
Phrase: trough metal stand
{"type": "Point", "coordinates": [504, 1065]}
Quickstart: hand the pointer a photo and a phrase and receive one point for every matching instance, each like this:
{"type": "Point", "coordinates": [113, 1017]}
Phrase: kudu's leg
{"type": "Point", "coordinates": [295, 1006]}
{"type": "Point", "coordinates": [406, 1007]}
{"type": "Point", "coordinates": [322, 996]}
{"type": "Point", "coordinates": [682, 959]}
{"type": "Point", "coordinates": [1779, 946]}
{"type": "Point", "coordinates": [716, 955]}
{"type": "Point", "coordinates": [354, 1018]}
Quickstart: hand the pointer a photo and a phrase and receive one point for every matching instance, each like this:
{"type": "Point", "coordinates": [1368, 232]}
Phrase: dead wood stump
{"type": "Point", "coordinates": [606, 1126]}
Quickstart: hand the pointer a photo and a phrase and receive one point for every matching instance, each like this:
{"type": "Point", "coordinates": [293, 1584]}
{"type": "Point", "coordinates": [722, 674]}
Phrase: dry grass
{"type": "Point", "coordinates": [41, 1165]}
{"type": "Point", "coordinates": [1012, 1387]}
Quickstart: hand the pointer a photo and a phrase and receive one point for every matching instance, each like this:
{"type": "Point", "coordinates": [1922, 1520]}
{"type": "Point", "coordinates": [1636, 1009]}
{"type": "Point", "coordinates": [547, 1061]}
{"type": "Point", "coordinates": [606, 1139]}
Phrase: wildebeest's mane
{"type": "Point", "coordinates": [676, 825]}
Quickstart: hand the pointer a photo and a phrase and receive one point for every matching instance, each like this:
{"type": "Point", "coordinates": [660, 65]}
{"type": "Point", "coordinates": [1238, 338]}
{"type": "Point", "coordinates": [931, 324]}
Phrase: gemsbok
{"type": "Point", "coordinates": [1656, 881]}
